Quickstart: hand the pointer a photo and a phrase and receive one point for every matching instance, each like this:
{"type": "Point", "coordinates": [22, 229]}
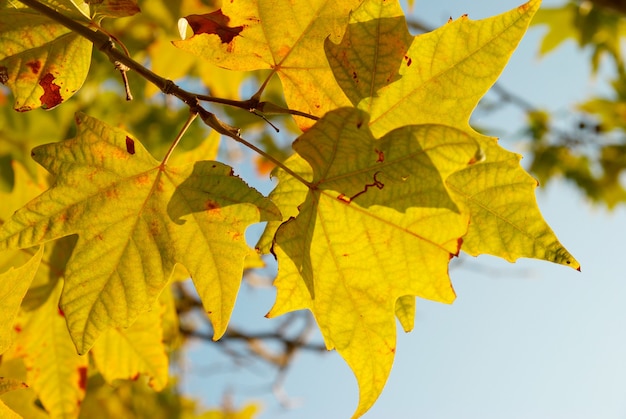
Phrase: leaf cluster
{"type": "Point", "coordinates": [386, 184]}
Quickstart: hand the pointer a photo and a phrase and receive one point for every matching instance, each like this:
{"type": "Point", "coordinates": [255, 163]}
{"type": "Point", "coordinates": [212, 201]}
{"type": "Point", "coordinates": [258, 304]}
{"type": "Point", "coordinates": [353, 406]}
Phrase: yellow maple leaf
{"type": "Point", "coordinates": [377, 224]}
{"type": "Point", "coordinates": [136, 219]}
{"type": "Point", "coordinates": [436, 78]}
{"type": "Point", "coordinates": [286, 37]}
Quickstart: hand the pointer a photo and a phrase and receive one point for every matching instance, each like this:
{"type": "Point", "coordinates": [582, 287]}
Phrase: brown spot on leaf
{"type": "Point", "coordinates": [17, 328]}
{"type": "Point", "coordinates": [210, 205]}
{"type": "Point", "coordinates": [409, 61]}
{"type": "Point", "coordinates": [34, 66]}
{"type": "Point", "coordinates": [51, 96]}
{"type": "Point", "coordinates": [60, 311]}
{"type": "Point", "coordinates": [135, 377]}
{"type": "Point", "coordinates": [214, 23]}
{"type": "Point", "coordinates": [82, 378]}
{"type": "Point", "coordinates": [381, 156]}
{"type": "Point", "coordinates": [130, 145]}
{"type": "Point", "coordinates": [4, 75]}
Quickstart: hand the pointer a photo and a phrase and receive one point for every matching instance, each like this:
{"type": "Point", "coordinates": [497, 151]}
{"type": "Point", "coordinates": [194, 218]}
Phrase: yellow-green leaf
{"type": "Point", "coordinates": [377, 224]}
{"type": "Point", "coordinates": [286, 37]}
{"type": "Point", "coordinates": [127, 353]}
{"type": "Point", "coordinates": [437, 77]}
{"type": "Point", "coordinates": [44, 68]}
{"type": "Point", "coordinates": [137, 218]}
{"type": "Point", "coordinates": [13, 286]}
{"type": "Point", "coordinates": [505, 220]}
{"type": "Point", "coordinates": [288, 195]}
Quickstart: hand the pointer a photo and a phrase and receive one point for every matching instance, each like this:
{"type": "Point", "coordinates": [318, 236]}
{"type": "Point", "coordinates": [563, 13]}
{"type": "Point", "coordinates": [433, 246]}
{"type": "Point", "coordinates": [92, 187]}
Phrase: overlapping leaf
{"type": "Point", "coordinates": [376, 225]}
{"type": "Point", "coordinates": [46, 67]}
{"type": "Point", "coordinates": [284, 36]}
{"type": "Point", "coordinates": [436, 78]}
{"type": "Point", "coordinates": [126, 353]}
{"type": "Point", "coordinates": [136, 219]}
{"type": "Point", "coordinates": [13, 286]}
{"type": "Point", "coordinates": [8, 384]}
{"type": "Point", "coordinates": [55, 372]}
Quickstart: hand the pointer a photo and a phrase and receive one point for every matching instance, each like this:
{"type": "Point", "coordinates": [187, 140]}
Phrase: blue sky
{"type": "Point", "coordinates": [523, 340]}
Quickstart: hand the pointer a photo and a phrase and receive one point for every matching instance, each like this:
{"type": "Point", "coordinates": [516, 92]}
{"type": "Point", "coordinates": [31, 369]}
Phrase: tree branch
{"type": "Point", "coordinates": [119, 58]}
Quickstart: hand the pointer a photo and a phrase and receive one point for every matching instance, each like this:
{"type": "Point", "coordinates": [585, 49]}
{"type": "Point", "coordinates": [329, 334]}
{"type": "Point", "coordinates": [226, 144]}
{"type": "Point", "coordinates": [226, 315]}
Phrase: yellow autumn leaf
{"type": "Point", "coordinates": [286, 37]}
{"type": "Point", "coordinates": [137, 218]}
{"type": "Point", "coordinates": [13, 286]}
{"type": "Point", "coordinates": [46, 67]}
{"type": "Point", "coordinates": [436, 77]}
{"type": "Point", "coordinates": [377, 224]}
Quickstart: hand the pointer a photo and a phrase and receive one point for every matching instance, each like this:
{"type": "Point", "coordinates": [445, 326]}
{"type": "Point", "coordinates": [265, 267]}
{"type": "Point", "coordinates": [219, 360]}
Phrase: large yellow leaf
{"type": "Point", "coordinates": [46, 67]}
{"type": "Point", "coordinates": [136, 219]}
{"type": "Point", "coordinates": [285, 36]}
{"type": "Point", "coordinates": [436, 78]}
{"type": "Point", "coordinates": [377, 224]}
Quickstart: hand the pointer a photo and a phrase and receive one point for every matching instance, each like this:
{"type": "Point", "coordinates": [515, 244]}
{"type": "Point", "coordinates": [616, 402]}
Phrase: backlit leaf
{"type": "Point", "coordinates": [505, 219]}
{"type": "Point", "coordinates": [286, 37]}
{"type": "Point", "coordinates": [126, 353]}
{"type": "Point", "coordinates": [437, 77]}
{"type": "Point", "coordinates": [13, 286]}
{"type": "Point", "coordinates": [44, 68]}
{"type": "Point", "coordinates": [136, 219]}
{"type": "Point", "coordinates": [377, 225]}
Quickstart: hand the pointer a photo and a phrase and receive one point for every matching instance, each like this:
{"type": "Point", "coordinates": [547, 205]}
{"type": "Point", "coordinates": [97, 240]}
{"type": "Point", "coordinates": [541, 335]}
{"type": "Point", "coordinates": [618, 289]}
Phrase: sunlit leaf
{"type": "Point", "coordinates": [13, 286]}
{"type": "Point", "coordinates": [286, 37]}
{"type": "Point", "coordinates": [45, 68]}
{"type": "Point", "coordinates": [377, 224]}
{"type": "Point", "coordinates": [136, 218]}
{"type": "Point", "coordinates": [55, 372]}
{"type": "Point", "coordinates": [126, 353]}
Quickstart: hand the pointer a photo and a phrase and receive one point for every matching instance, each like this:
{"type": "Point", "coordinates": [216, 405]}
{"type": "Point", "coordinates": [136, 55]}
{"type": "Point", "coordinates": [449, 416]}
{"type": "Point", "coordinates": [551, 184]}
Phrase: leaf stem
{"type": "Point", "coordinates": [190, 119]}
